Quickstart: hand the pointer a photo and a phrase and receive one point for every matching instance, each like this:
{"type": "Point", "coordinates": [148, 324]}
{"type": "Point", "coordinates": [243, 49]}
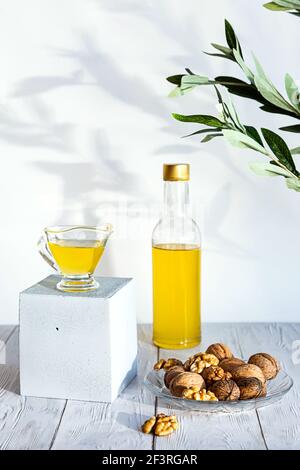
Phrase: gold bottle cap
{"type": "Point", "coordinates": [177, 172]}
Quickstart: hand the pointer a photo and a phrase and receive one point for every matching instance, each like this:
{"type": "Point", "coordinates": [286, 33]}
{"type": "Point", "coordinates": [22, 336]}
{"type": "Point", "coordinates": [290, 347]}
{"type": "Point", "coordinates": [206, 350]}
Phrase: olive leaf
{"type": "Point", "coordinates": [273, 6]}
{"type": "Point", "coordinates": [211, 137]}
{"type": "Point", "coordinates": [200, 119]}
{"type": "Point", "coordinates": [266, 169]}
{"type": "Point", "coordinates": [295, 151]}
{"type": "Point", "coordinates": [240, 140]}
{"type": "Point", "coordinates": [268, 90]}
{"type": "Point", "coordinates": [231, 37]}
{"type": "Point", "coordinates": [292, 90]}
{"type": "Point", "coordinates": [203, 131]}
{"type": "Point", "coordinates": [292, 7]}
{"type": "Point", "coordinates": [249, 74]}
{"type": "Point", "coordinates": [294, 129]}
{"type": "Point", "coordinates": [253, 133]}
{"type": "Point", "coordinates": [293, 183]}
{"type": "Point", "coordinates": [280, 149]}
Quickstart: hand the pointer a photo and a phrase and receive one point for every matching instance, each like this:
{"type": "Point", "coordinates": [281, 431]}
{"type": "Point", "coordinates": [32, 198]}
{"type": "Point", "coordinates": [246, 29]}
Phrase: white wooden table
{"type": "Point", "coordinates": [39, 423]}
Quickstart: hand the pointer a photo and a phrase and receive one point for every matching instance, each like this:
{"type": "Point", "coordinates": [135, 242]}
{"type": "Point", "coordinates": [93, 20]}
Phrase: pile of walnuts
{"type": "Point", "coordinates": [216, 375]}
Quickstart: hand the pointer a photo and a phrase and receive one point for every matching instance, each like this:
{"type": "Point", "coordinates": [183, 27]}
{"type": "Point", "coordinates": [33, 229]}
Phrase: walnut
{"type": "Point", "coordinates": [213, 374]}
{"type": "Point", "coordinates": [230, 364]}
{"type": "Point", "coordinates": [221, 351]}
{"type": "Point", "coordinates": [268, 364]}
{"type": "Point", "coordinates": [183, 381]}
{"type": "Point", "coordinates": [200, 361]}
{"type": "Point", "coordinates": [148, 425]}
{"type": "Point", "coordinates": [248, 370]}
{"type": "Point", "coordinates": [165, 425]}
{"type": "Point", "coordinates": [195, 393]}
{"type": "Point", "coordinates": [160, 425]}
{"type": "Point", "coordinates": [170, 374]}
{"type": "Point", "coordinates": [166, 364]}
{"type": "Point", "coordinates": [251, 387]}
{"type": "Point", "coordinates": [226, 390]}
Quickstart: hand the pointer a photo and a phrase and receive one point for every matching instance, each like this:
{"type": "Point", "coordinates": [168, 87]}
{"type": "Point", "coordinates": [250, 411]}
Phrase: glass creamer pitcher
{"type": "Point", "coordinates": [74, 251]}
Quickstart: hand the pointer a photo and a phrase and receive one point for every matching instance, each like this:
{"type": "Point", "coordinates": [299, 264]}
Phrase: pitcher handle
{"type": "Point", "coordinates": [45, 252]}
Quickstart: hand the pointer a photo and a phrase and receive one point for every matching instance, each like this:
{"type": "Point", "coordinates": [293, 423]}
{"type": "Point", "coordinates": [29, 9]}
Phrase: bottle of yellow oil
{"type": "Point", "coordinates": [176, 256]}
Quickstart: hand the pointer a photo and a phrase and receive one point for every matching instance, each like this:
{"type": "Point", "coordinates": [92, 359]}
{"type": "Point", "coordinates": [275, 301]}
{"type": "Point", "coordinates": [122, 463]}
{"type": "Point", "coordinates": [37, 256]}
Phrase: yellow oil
{"type": "Point", "coordinates": [77, 257]}
{"type": "Point", "coordinates": [176, 296]}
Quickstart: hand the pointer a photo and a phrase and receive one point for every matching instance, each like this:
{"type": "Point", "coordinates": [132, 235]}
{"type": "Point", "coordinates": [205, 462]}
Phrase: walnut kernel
{"type": "Point", "coordinates": [213, 374]}
{"type": "Point", "coordinates": [200, 361]}
{"type": "Point", "coordinates": [185, 380]}
{"type": "Point", "coordinates": [195, 393]}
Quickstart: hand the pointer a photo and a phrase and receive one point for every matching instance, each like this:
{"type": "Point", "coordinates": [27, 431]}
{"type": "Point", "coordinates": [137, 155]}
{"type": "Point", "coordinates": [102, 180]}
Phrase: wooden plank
{"type": "Point", "coordinates": [280, 423]}
{"type": "Point", "coordinates": [117, 426]}
{"type": "Point", "coordinates": [25, 422]}
{"type": "Point", "coordinates": [5, 332]}
{"type": "Point", "coordinates": [212, 431]}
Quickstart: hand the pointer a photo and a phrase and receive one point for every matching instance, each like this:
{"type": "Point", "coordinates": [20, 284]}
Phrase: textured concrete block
{"type": "Point", "coordinates": [80, 346]}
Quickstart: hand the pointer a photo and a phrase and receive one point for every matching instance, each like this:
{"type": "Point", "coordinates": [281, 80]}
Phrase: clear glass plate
{"type": "Point", "coordinates": [277, 388]}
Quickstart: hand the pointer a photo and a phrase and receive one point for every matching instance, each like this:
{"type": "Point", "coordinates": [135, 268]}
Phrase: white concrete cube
{"type": "Point", "coordinates": [80, 346]}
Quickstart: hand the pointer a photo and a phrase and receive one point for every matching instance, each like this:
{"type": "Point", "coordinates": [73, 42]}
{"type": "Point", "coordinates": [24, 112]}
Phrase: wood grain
{"type": "Point", "coordinates": [117, 426]}
{"type": "Point", "coordinates": [212, 431]}
{"type": "Point", "coordinates": [25, 423]}
{"type": "Point", "coordinates": [280, 423]}
{"type": "Point", "coordinates": [38, 423]}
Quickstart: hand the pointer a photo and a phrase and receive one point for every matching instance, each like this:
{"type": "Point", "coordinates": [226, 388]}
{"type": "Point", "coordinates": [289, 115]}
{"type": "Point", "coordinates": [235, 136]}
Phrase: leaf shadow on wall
{"type": "Point", "coordinates": [39, 129]}
{"type": "Point", "coordinates": [84, 182]}
{"type": "Point", "coordinates": [214, 219]}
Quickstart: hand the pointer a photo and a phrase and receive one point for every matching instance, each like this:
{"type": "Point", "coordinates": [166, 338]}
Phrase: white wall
{"type": "Point", "coordinates": [85, 127]}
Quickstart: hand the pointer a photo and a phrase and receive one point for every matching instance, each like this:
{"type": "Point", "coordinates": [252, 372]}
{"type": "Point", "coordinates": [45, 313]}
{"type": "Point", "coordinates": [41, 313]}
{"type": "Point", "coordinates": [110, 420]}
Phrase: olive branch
{"type": "Point", "coordinates": [292, 7]}
{"type": "Point", "coordinates": [256, 86]}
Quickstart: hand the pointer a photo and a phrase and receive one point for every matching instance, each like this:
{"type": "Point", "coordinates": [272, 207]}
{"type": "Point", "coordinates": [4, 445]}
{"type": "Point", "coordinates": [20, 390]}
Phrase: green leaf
{"type": "Point", "coordinates": [288, 3]}
{"type": "Point", "coordinates": [266, 169]}
{"type": "Point", "coordinates": [280, 149]}
{"type": "Point", "coordinates": [240, 140]}
{"type": "Point", "coordinates": [268, 90]}
{"type": "Point", "coordinates": [195, 80]}
{"type": "Point", "coordinates": [238, 57]}
{"type": "Point", "coordinates": [210, 137]}
{"type": "Point", "coordinates": [273, 6]}
{"type": "Point", "coordinates": [230, 35]}
{"type": "Point", "coordinates": [203, 131]}
{"type": "Point", "coordinates": [212, 54]}
{"type": "Point", "coordinates": [295, 151]}
{"type": "Point", "coordinates": [253, 133]}
{"type": "Point", "coordinates": [295, 128]}
{"type": "Point", "coordinates": [226, 50]}
{"type": "Point", "coordinates": [293, 183]}
{"type": "Point", "coordinates": [175, 79]}
{"type": "Point", "coordinates": [292, 90]}
{"type": "Point", "coordinates": [200, 119]}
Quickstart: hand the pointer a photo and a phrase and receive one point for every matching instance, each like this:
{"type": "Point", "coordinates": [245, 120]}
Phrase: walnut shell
{"type": "Point", "coordinates": [251, 387]}
{"type": "Point", "coordinates": [183, 381]}
{"type": "Point", "coordinates": [230, 364]}
{"type": "Point", "coordinates": [171, 373]}
{"type": "Point", "coordinates": [248, 370]}
{"type": "Point", "coordinates": [268, 364]}
{"type": "Point", "coordinates": [221, 351]}
{"type": "Point", "coordinates": [226, 390]}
